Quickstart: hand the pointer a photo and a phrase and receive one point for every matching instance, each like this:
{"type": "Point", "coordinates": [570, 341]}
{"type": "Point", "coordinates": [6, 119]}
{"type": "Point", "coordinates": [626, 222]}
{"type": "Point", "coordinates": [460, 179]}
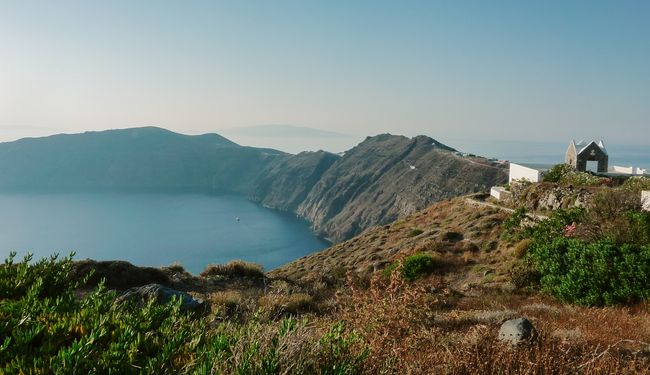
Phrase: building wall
{"type": "Point", "coordinates": [627, 170]}
{"type": "Point", "coordinates": [585, 155]}
{"type": "Point", "coordinates": [645, 200]}
{"type": "Point", "coordinates": [520, 172]}
{"type": "Point", "coordinates": [570, 156]}
{"type": "Point", "coordinates": [497, 192]}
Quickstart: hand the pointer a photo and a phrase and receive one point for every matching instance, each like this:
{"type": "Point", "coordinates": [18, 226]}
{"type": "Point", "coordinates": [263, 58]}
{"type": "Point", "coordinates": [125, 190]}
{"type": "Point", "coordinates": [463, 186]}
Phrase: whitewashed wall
{"type": "Point", "coordinates": [497, 192]}
{"type": "Point", "coordinates": [626, 170]}
{"type": "Point", "coordinates": [645, 200]}
{"type": "Point", "coordinates": [520, 172]}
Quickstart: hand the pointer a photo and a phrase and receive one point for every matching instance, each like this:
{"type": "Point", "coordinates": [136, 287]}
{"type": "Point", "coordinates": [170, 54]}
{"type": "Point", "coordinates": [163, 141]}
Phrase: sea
{"type": "Point", "coordinates": [152, 229]}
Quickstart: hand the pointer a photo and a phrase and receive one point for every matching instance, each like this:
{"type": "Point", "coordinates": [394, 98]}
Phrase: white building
{"type": "Point", "coordinates": [498, 192]}
{"type": "Point", "coordinates": [627, 170]}
{"type": "Point", "coordinates": [645, 200]}
{"type": "Point", "coordinates": [528, 172]}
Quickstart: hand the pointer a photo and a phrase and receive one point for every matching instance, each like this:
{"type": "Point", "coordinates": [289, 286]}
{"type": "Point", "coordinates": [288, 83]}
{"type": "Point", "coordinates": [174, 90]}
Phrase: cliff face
{"type": "Point", "coordinates": [285, 184]}
{"type": "Point", "coordinates": [380, 180]}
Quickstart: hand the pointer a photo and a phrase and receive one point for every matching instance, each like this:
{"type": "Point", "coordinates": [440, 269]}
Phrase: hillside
{"type": "Point", "coordinates": [349, 308]}
{"type": "Point", "coordinates": [138, 159]}
{"type": "Point", "coordinates": [383, 178]}
{"type": "Point", "coordinates": [461, 233]}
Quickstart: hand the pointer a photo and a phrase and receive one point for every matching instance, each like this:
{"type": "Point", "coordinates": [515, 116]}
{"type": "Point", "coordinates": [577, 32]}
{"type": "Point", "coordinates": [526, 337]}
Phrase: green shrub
{"type": "Point", "coordinates": [235, 268]}
{"type": "Point", "coordinates": [47, 328]}
{"type": "Point", "coordinates": [582, 179]}
{"type": "Point", "coordinates": [567, 175]}
{"type": "Point", "coordinates": [513, 229]}
{"type": "Point", "coordinates": [637, 183]}
{"type": "Point", "coordinates": [417, 265]}
{"type": "Point", "coordinates": [596, 273]}
{"type": "Point", "coordinates": [556, 173]}
{"type": "Point", "coordinates": [388, 270]}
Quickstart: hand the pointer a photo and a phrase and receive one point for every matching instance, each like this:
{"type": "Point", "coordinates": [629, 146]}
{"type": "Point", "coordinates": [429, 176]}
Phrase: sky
{"type": "Point", "coordinates": [458, 71]}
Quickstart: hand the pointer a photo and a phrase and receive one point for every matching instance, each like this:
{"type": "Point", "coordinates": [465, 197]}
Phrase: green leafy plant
{"type": "Point", "coordinates": [556, 173]}
{"type": "Point", "coordinates": [47, 327]}
{"type": "Point", "coordinates": [417, 265]}
{"type": "Point", "coordinates": [597, 273]}
{"type": "Point", "coordinates": [591, 271]}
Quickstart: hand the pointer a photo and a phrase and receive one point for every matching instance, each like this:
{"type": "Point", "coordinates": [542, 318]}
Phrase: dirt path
{"type": "Point", "coordinates": [474, 202]}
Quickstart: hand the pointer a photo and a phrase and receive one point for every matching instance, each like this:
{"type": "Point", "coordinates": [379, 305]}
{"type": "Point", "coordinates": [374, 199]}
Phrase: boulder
{"type": "Point", "coordinates": [517, 331]}
{"type": "Point", "coordinates": [161, 294]}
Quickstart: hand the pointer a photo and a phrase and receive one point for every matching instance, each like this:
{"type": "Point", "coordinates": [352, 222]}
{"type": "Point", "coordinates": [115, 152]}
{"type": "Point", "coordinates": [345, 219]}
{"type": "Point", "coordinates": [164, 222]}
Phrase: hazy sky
{"type": "Point", "coordinates": [480, 70]}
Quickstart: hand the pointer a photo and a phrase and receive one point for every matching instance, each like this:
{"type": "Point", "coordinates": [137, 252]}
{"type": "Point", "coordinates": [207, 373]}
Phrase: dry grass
{"type": "Point", "coordinates": [230, 304]}
{"type": "Point", "coordinates": [423, 328]}
{"type": "Point", "coordinates": [235, 268]}
{"type": "Point", "coordinates": [277, 305]}
{"type": "Point", "coordinates": [521, 248]}
{"type": "Point", "coordinates": [426, 326]}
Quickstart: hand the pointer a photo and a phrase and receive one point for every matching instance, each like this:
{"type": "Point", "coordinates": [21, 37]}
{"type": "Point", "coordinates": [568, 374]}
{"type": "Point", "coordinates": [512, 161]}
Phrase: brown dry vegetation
{"type": "Point", "coordinates": [446, 322]}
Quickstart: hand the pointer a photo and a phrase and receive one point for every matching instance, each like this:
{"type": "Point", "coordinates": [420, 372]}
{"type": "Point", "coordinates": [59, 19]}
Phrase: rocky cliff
{"type": "Point", "coordinates": [383, 178]}
{"type": "Point", "coordinates": [285, 184]}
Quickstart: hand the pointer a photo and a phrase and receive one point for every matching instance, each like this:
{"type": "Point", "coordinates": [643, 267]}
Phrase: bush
{"type": "Point", "coordinates": [582, 179]}
{"type": "Point", "coordinates": [567, 175]}
{"type": "Point", "coordinates": [417, 265]}
{"type": "Point", "coordinates": [235, 268]}
{"type": "Point", "coordinates": [602, 270]}
{"type": "Point", "coordinates": [615, 214]}
{"type": "Point", "coordinates": [637, 183]}
{"type": "Point", "coordinates": [46, 328]}
{"type": "Point", "coordinates": [597, 273]}
{"type": "Point", "coordinates": [556, 173]}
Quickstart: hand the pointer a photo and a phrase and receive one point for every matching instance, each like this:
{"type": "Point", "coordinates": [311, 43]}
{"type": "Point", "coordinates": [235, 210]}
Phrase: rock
{"type": "Point", "coordinates": [118, 274]}
{"type": "Point", "coordinates": [161, 294]}
{"type": "Point", "coordinates": [517, 331]}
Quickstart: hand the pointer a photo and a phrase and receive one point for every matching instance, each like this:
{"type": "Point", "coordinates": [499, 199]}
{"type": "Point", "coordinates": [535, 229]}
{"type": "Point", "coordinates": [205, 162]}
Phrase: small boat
{"type": "Point", "coordinates": [237, 218]}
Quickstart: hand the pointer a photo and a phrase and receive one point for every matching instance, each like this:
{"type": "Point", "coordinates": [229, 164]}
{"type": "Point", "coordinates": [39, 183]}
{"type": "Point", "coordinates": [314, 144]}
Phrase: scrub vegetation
{"type": "Point", "coordinates": [381, 303]}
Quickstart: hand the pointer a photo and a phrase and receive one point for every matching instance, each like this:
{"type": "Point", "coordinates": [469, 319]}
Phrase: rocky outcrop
{"type": "Point", "coordinates": [548, 196]}
{"type": "Point", "coordinates": [117, 274]}
{"type": "Point", "coordinates": [161, 294]}
{"type": "Point", "coordinates": [380, 180]}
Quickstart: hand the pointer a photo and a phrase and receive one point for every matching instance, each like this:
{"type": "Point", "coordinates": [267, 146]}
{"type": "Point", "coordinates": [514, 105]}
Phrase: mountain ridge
{"type": "Point", "coordinates": [383, 178]}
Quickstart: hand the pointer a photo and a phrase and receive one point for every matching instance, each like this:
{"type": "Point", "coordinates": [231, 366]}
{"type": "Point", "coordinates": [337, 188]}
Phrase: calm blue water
{"type": "Point", "coordinates": [152, 229]}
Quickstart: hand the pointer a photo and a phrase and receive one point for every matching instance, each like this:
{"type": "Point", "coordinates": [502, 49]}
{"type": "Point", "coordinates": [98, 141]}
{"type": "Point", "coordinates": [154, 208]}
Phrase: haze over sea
{"type": "Point", "coordinates": [621, 154]}
{"type": "Point", "coordinates": [152, 229]}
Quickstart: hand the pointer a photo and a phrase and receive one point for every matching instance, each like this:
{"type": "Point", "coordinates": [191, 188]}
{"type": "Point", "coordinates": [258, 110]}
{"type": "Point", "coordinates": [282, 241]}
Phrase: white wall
{"type": "Point", "coordinates": [645, 200]}
{"type": "Point", "coordinates": [626, 170]}
{"type": "Point", "coordinates": [497, 192]}
{"type": "Point", "coordinates": [519, 172]}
